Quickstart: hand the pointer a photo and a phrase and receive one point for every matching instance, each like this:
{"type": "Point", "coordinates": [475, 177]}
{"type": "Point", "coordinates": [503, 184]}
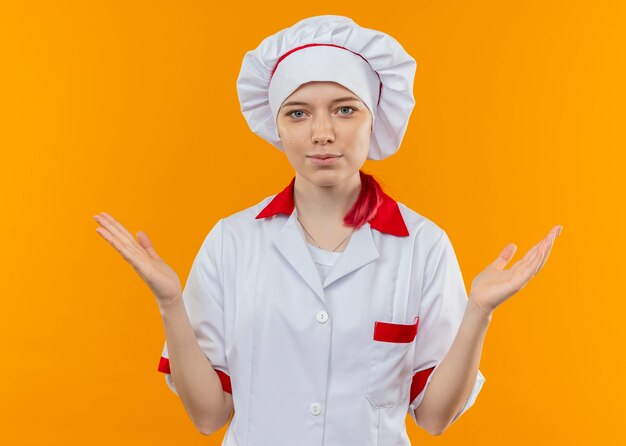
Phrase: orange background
{"type": "Point", "coordinates": [131, 108]}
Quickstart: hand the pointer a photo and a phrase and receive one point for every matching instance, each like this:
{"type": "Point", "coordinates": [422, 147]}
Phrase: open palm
{"type": "Point", "coordinates": [495, 284]}
{"type": "Point", "coordinates": [162, 280]}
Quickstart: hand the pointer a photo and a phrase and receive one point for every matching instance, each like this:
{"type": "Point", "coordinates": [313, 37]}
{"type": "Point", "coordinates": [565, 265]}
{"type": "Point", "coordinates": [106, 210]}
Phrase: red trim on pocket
{"type": "Point", "coordinates": [164, 367]}
{"type": "Point", "coordinates": [418, 383]}
{"type": "Point", "coordinates": [390, 332]}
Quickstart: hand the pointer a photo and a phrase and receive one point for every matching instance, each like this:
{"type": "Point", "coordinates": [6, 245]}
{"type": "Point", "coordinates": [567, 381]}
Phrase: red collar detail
{"type": "Point", "coordinates": [388, 219]}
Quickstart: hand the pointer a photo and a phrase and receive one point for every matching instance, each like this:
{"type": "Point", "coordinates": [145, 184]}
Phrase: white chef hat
{"type": "Point", "coordinates": [370, 63]}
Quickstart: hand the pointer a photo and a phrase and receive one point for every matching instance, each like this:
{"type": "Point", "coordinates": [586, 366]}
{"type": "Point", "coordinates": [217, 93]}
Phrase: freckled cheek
{"type": "Point", "coordinates": [288, 140]}
{"type": "Point", "coordinates": [295, 136]}
{"type": "Point", "coordinates": [293, 145]}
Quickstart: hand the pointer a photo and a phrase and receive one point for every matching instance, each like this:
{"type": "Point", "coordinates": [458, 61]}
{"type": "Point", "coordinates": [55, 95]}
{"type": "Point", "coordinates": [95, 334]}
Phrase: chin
{"type": "Point", "coordinates": [328, 177]}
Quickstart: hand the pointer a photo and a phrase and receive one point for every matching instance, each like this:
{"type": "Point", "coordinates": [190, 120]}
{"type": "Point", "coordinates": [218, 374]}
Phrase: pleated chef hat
{"type": "Point", "coordinates": [370, 63]}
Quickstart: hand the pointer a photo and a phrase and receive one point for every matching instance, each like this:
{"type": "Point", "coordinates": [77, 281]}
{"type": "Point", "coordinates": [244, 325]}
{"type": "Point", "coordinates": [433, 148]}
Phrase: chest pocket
{"type": "Point", "coordinates": [390, 363]}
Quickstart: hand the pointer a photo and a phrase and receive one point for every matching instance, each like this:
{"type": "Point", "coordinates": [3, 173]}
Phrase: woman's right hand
{"type": "Point", "coordinates": [162, 280]}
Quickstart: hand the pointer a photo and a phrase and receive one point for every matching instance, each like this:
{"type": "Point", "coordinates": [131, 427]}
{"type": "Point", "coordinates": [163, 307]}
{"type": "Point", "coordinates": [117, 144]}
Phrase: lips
{"type": "Point", "coordinates": [324, 160]}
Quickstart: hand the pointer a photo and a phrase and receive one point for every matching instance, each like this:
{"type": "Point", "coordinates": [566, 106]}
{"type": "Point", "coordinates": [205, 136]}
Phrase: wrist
{"type": "Point", "coordinates": [478, 310]}
{"type": "Point", "coordinates": [172, 305]}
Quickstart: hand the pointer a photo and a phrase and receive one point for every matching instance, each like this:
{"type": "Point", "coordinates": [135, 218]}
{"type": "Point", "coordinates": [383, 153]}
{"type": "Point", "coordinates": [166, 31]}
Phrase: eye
{"type": "Point", "coordinates": [347, 108]}
{"type": "Point", "coordinates": [295, 111]}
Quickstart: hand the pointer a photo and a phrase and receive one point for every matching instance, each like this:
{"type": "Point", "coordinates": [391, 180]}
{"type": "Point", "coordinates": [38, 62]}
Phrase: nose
{"type": "Point", "coordinates": [322, 131]}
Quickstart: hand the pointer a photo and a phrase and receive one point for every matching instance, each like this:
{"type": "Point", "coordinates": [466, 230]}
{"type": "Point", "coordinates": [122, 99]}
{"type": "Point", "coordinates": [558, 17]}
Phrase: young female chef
{"type": "Point", "coordinates": [325, 312]}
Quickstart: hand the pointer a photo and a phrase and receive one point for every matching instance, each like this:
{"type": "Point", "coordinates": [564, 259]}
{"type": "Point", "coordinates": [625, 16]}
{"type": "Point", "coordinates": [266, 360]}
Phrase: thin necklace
{"type": "Point", "coordinates": [316, 242]}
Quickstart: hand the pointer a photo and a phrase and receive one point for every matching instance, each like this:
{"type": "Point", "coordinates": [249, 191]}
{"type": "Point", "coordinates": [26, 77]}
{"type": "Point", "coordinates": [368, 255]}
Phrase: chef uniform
{"type": "Point", "coordinates": [320, 348]}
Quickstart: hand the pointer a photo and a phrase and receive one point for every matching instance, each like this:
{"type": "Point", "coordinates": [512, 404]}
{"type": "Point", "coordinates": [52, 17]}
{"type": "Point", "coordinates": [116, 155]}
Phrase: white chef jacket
{"type": "Point", "coordinates": [323, 259]}
{"type": "Point", "coordinates": [330, 362]}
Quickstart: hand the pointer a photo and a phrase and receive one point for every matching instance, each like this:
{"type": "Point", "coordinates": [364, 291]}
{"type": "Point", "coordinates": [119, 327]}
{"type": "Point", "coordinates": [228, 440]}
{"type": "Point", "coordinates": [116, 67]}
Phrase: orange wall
{"type": "Point", "coordinates": [131, 108]}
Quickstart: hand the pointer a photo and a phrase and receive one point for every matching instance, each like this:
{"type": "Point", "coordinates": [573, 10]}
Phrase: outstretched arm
{"type": "Point", "coordinates": [453, 380]}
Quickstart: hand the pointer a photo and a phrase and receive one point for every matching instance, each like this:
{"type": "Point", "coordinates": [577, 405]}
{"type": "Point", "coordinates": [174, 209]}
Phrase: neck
{"type": "Point", "coordinates": [322, 206]}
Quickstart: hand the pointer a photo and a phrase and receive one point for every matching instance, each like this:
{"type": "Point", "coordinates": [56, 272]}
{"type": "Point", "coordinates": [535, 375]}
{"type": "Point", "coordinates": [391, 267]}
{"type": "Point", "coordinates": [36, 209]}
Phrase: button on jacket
{"type": "Point", "coordinates": [324, 362]}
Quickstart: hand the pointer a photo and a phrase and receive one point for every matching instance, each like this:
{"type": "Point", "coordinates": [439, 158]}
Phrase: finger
{"type": "Point", "coordinates": [546, 247]}
{"type": "Point", "coordinates": [531, 252]}
{"type": "Point", "coordinates": [122, 248]}
{"type": "Point", "coordinates": [147, 245]}
{"type": "Point", "coordinates": [114, 230]}
{"type": "Point", "coordinates": [505, 256]}
{"type": "Point", "coordinates": [528, 258]}
{"type": "Point", "coordinates": [118, 226]}
{"type": "Point", "coordinates": [526, 268]}
{"type": "Point", "coordinates": [118, 240]}
{"type": "Point", "coordinates": [531, 256]}
{"type": "Point", "coordinates": [537, 258]}
{"type": "Point", "coordinates": [549, 243]}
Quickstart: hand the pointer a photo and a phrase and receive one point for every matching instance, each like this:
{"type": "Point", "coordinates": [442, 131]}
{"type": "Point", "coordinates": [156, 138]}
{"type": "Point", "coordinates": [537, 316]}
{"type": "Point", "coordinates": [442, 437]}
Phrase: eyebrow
{"type": "Point", "coordinates": [345, 98]}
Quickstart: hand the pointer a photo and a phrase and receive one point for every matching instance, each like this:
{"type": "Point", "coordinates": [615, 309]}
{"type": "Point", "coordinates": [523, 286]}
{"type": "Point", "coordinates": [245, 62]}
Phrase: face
{"type": "Point", "coordinates": [325, 118]}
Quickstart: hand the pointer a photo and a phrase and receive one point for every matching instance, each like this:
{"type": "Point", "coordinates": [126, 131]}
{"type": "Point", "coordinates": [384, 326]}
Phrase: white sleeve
{"type": "Point", "coordinates": [203, 298]}
{"type": "Point", "coordinates": [442, 307]}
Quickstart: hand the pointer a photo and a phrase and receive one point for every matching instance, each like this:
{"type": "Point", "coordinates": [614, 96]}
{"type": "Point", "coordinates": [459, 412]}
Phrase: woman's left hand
{"type": "Point", "coordinates": [495, 284]}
